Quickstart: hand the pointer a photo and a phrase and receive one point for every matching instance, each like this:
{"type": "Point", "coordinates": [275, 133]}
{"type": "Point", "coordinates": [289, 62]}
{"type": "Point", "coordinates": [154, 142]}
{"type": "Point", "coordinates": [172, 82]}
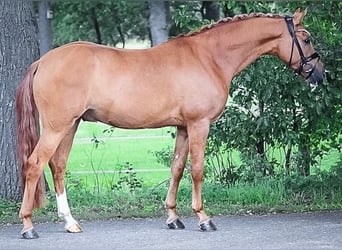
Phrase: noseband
{"type": "Point", "coordinates": [305, 65]}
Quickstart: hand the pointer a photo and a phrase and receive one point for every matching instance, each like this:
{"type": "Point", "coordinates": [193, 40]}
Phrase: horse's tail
{"type": "Point", "coordinates": [28, 130]}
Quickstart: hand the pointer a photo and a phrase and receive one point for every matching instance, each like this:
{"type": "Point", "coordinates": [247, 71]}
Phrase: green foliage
{"type": "Point", "coordinates": [124, 177]}
{"type": "Point", "coordinates": [164, 156]}
{"type": "Point", "coordinates": [186, 17]}
{"type": "Point", "coordinates": [273, 194]}
{"type": "Point", "coordinates": [324, 184]}
{"type": "Point", "coordinates": [73, 182]}
{"type": "Point", "coordinates": [8, 210]}
{"type": "Point", "coordinates": [128, 178]}
{"type": "Point", "coordinates": [106, 22]}
{"type": "Point", "coordinates": [273, 109]}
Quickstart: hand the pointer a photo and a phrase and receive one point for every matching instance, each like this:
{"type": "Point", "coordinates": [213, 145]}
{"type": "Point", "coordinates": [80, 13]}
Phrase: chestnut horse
{"type": "Point", "coordinates": [183, 83]}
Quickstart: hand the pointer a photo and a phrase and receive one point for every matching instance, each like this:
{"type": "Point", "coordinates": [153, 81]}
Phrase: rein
{"type": "Point", "coordinates": [305, 62]}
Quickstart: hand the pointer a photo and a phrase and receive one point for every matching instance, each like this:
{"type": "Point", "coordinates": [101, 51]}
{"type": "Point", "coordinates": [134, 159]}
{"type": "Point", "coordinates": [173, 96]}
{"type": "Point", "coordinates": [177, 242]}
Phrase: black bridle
{"type": "Point", "coordinates": [305, 62]}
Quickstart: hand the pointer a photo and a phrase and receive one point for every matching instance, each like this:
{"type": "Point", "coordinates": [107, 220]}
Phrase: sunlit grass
{"type": "Point", "coordinates": [115, 149]}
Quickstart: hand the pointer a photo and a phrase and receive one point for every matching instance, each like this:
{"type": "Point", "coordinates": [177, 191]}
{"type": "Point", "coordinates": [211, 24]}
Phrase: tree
{"type": "Point", "coordinates": [159, 21]}
{"type": "Point", "coordinates": [210, 10]}
{"type": "Point", "coordinates": [44, 24]}
{"type": "Point", "coordinates": [105, 22]}
{"type": "Point", "coordinates": [19, 47]}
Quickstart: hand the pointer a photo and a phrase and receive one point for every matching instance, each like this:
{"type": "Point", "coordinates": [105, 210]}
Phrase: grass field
{"type": "Point", "coordinates": [115, 150]}
{"type": "Point", "coordinates": [134, 146]}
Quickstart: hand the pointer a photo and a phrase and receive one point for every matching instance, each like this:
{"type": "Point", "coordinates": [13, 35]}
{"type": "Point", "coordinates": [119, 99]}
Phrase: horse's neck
{"type": "Point", "coordinates": [235, 46]}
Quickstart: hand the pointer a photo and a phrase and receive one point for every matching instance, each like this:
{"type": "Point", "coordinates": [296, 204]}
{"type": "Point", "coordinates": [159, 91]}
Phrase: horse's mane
{"type": "Point", "coordinates": [229, 20]}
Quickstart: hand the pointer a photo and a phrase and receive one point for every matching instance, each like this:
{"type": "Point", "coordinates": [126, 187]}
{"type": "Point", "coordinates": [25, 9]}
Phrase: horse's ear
{"type": "Point", "coordinates": [298, 16]}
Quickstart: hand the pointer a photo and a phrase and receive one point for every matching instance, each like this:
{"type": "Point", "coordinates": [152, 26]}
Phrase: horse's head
{"type": "Point", "coordinates": [297, 50]}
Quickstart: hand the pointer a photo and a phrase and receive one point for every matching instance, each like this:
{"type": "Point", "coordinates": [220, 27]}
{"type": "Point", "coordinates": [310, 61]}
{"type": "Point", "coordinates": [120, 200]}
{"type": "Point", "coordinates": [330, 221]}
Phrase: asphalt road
{"type": "Point", "coordinates": [277, 231]}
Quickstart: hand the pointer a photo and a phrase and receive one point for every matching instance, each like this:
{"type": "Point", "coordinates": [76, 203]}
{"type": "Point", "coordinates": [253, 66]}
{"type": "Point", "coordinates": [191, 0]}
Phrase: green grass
{"type": "Point", "coordinates": [329, 160]}
{"type": "Point", "coordinates": [114, 150]}
{"type": "Point", "coordinates": [117, 149]}
{"type": "Point", "coordinates": [270, 195]}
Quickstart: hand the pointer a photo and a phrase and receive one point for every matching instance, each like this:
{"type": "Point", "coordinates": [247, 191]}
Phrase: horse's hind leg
{"type": "Point", "coordinates": [58, 166]}
{"type": "Point", "coordinates": [180, 155]}
{"type": "Point", "coordinates": [45, 148]}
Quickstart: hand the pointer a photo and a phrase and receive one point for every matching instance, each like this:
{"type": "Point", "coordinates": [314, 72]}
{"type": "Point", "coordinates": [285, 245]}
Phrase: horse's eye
{"type": "Point", "coordinates": [307, 41]}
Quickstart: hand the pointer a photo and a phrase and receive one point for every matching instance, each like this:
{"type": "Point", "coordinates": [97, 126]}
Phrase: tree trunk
{"type": "Point", "coordinates": [227, 12]}
{"type": "Point", "coordinates": [260, 145]}
{"type": "Point", "coordinates": [159, 21]}
{"type": "Point", "coordinates": [295, 126]}
{"type": "Point", "coordinates": [44, 25]}
{"type": "Point", "coordinates": [210, 10]}
{"type": "Point", "coordinates": [96, 25]}
{"type": "Point", "coordinates": [288, 158]}
{"type": "Point", "coordinates": [305, 159]}
{"type": "Point", "coordinates": [304, 150]}
{"type": "Point", "coordinates": [122, 36]}
{"type": "Point", "coordinates": [19, 48]}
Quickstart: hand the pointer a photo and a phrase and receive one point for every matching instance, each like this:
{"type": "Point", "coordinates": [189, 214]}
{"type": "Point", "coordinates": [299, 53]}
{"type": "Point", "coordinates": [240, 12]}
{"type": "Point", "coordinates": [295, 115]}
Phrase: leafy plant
{"type": "Point", "coordinates": [128, 178]}
{"type": "Point", "coordinates": [164, 156]}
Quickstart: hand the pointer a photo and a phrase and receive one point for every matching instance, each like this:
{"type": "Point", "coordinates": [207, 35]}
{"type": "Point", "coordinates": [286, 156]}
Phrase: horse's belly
{"type": "Point", "coordinates": [133, 119]}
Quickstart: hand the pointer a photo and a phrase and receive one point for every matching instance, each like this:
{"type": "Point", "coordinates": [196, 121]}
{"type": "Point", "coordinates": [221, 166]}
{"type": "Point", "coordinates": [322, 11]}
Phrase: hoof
{"type": "Point", "coordinates": [207, 226]}
{"type": "Point", "coordinates": [176, 224]}
{"type": "Point", "coordinates": [73, 228]}
{"type": "Point", "coordinates": [30, 234]}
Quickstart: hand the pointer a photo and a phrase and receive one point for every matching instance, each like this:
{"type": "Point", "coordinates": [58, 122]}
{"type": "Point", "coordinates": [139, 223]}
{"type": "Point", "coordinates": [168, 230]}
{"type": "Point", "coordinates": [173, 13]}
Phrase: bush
{"type": "Point", "coordinates": [326, 184]}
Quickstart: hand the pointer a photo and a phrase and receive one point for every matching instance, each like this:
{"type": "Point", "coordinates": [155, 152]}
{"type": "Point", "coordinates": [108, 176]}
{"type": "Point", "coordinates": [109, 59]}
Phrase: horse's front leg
{"type": "Point", "coordinates": [180, 155]}
{"type": "Point", "coordinates": [198, 133]}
